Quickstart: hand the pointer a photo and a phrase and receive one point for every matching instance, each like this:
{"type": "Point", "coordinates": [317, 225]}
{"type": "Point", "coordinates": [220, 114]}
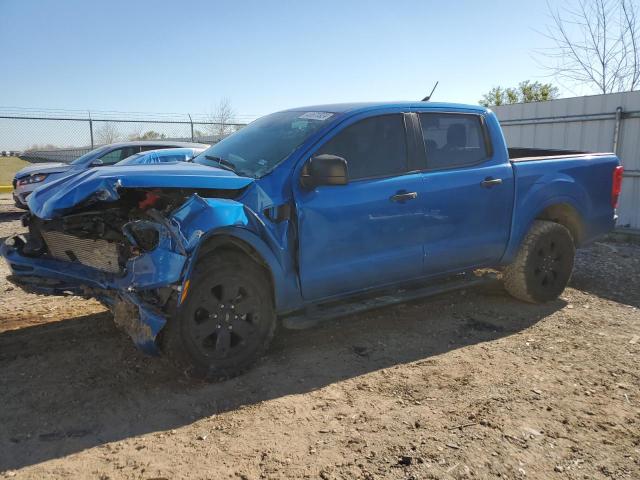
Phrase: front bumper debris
{"type": "Point", "coordinates": [161, 267]}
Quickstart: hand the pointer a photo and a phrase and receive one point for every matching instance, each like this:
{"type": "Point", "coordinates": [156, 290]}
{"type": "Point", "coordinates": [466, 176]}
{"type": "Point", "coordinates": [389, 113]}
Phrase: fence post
{"type": "Point", "coordinates": [616, 130]}
{"type": "Point", "coordinates": [91, 130]}
{"type": "Point", "coordinates": [191, 122]}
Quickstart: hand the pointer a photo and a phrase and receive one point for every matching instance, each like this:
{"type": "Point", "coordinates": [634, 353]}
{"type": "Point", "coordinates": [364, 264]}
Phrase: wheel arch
{"type": "Point", "coordinates": [563, 210]}
{"type": "Point", "coordinates": [566, 215]}
{"type": "Point", "coordinates": [284, 286]}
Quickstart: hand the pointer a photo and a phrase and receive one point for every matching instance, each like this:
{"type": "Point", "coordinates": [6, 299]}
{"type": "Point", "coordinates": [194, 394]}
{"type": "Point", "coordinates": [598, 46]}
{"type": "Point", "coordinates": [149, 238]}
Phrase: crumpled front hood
{"type": "Point", "coordinates": [56, 198]}
{"type": "Point", "coordinates": [49, 167]}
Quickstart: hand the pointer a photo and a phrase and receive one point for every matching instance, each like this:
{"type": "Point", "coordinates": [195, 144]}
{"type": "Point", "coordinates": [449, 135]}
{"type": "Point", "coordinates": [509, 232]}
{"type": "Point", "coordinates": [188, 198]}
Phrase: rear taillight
{"type": "Point", "coordinates": [616, 186]}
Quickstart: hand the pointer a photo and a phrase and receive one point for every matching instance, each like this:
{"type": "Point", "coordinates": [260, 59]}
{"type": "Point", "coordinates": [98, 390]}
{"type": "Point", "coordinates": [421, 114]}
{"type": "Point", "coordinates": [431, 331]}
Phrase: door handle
{"type": "Point", "coordinates": [404, 196]}
{"type": "Point", "coordinates": [490, 182]}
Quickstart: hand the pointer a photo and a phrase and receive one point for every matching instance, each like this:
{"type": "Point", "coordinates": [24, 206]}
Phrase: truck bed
{"type": "Point", "coordinates": [518, 154]}
{"type": "Point", "coordinates": [535, 154]}
{"type": "Point", "coordinates": [581, 180]}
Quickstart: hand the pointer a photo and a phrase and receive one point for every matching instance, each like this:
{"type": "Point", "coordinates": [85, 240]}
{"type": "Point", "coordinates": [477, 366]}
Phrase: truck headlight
{"type": "Point", "coordinates": [36, 178]}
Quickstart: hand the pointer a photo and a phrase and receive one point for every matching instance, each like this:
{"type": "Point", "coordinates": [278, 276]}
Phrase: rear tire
{"type": "Point", "coordinates": [227, 320]}
{"type": "Point", "coordinates": [543, 265]}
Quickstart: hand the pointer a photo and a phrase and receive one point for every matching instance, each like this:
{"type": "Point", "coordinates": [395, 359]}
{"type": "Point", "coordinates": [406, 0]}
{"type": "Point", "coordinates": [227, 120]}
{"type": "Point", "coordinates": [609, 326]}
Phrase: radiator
{"type": "Point", "coordinates": [98, 254]}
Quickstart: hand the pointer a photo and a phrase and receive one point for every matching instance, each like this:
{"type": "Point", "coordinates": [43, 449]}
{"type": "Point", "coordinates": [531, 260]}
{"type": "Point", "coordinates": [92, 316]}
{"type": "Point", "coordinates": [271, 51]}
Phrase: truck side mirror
{"type": "Point", "coordinates": [97, 162]}
{"type": "Point", "coordinates": [324, 169]}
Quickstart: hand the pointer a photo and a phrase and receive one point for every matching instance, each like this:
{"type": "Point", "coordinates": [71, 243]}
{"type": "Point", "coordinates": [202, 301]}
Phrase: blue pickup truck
{"type": "Point", "coordinates": [311, 213]}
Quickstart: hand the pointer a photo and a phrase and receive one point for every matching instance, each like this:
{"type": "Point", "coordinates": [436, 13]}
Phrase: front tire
{"type": "Point", "coordinates": [543, 265]}
{"type": "Point", "coordinates": [227, 320]}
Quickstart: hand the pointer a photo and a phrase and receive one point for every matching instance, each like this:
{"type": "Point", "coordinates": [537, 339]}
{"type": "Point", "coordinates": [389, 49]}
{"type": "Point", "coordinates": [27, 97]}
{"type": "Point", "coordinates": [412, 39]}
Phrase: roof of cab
{"type": "Point", "coordinates": [366, 106]}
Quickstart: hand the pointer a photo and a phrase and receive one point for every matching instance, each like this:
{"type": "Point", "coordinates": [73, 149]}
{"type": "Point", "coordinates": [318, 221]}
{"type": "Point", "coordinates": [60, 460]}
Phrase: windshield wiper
{"type": "Point", "coordinates": [225, 164]}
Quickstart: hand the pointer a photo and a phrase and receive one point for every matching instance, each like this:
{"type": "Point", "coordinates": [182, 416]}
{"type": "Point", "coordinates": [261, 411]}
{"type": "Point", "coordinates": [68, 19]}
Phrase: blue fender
{"type": "Point", "coordinates": [202, 221]}
{"type": "Point", "coordinates": [543, 194]}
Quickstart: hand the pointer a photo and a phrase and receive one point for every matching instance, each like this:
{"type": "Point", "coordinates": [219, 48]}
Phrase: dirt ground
{"type": "Point", "coordinates": [467, 385]}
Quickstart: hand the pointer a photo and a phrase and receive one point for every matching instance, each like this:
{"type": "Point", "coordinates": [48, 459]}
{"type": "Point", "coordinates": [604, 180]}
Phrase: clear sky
{"type": "Point", "coordinates": [184, 56]}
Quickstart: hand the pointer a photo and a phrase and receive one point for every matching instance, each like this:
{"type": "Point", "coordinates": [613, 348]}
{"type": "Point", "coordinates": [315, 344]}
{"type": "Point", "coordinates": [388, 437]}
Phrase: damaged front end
{"type": "Point", "coordinates": [128, 246]}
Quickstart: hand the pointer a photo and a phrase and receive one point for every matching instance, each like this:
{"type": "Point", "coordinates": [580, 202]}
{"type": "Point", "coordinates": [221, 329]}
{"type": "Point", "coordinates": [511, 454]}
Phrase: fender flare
{"type": "Point", "coordinates": [286, 290]}
{"type": "Point", "coordinates": [517, 235]}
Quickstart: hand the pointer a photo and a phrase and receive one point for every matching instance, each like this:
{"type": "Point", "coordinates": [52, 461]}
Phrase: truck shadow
{"type": "Point", "coordinates": [79, 383]}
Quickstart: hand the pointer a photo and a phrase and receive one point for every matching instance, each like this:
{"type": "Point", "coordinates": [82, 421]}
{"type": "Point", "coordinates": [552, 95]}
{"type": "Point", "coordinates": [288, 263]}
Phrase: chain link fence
{"type": "Point", "coordinates": [62, 136]}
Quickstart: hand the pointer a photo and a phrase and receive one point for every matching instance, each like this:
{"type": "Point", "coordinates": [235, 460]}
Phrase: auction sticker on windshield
{"type": "Point", "coordinates": [316, 115]}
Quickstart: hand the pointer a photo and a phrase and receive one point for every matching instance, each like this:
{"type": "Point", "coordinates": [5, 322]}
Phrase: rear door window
{"type": "Point", "coordinates": [452, 140]}
{"type": "Point", "coordinates": [373, 147]}
{"type": "Point", "coordinates": [118, 154]}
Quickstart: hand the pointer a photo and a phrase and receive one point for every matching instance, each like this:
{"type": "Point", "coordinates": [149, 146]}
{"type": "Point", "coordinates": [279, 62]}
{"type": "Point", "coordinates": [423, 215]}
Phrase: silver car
{"type": "Point", "coordinates": [33, 176]}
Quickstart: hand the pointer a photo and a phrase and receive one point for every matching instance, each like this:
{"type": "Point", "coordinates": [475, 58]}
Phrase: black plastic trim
{"type": "Point", "coordinates": [487, 138]}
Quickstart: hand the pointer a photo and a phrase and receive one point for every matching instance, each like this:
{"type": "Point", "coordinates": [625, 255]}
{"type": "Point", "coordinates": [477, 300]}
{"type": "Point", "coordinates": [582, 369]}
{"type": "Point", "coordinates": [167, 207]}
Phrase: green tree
{"type": "Point", "coordinates": [525, 92]}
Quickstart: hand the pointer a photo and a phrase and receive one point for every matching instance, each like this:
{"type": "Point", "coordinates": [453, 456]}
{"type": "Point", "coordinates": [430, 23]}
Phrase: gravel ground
{"type": "Point", "coordinates": [468, 385]}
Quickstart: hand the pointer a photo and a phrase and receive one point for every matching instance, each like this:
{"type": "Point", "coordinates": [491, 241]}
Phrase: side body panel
{"type": "Point", "coordinates": [353, 237]}
{"type": "Point", "coordinates": [467, 225]}
{"type": "Point", "coordinates": [584, 183]}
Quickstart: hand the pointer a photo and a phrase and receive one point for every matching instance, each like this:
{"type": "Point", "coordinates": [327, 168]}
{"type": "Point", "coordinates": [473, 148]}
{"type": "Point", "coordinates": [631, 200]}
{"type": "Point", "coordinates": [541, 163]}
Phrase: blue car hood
{"type": "Point", "coordinates": [58, 197]}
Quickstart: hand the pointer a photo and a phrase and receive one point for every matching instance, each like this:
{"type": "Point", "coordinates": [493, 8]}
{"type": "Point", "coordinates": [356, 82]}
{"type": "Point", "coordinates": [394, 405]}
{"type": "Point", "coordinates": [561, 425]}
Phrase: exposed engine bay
{"type": "Point", "coordinates": [105, 235]}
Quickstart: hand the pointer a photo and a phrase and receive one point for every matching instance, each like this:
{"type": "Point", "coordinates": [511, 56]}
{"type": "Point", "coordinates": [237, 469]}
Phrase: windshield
{"type": "Point", "coordinates": [89, 155]}
{"type": "Point", "coordinates": [256, 149]}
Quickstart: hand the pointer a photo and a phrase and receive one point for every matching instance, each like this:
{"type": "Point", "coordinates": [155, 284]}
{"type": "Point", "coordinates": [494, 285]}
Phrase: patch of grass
{"type": "Point", "coordinates": [8, 167]}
